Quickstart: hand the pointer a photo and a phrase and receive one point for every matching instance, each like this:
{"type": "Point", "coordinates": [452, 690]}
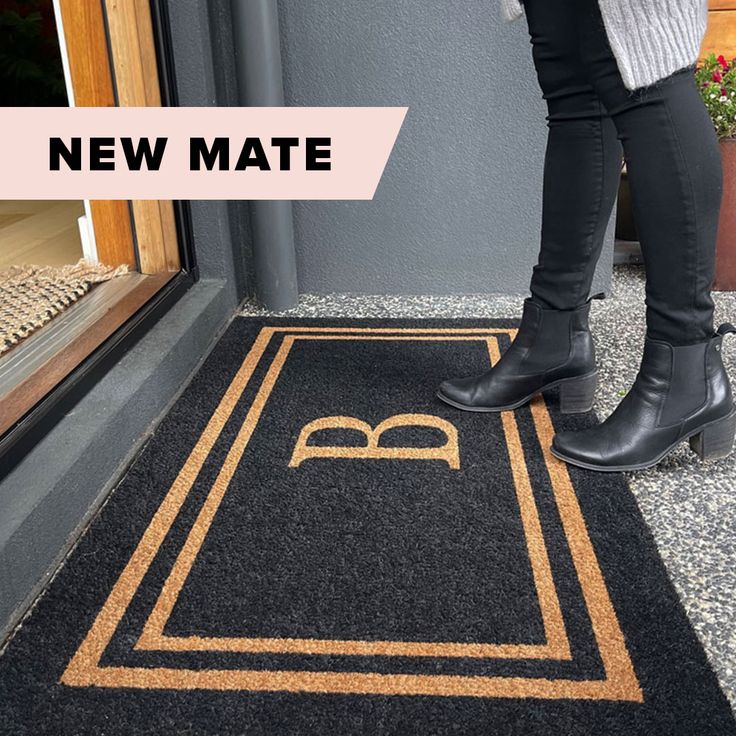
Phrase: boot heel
{"type": "Point", "coordinates": [577, 394]}
{"type": "Point", "coordinates": [716, 440]}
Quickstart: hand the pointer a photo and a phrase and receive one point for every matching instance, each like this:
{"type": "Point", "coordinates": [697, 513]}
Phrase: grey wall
{"type": "Point", "coordinates": [458, 208]}
{"type": "Point", "coordinates": [205, 74]}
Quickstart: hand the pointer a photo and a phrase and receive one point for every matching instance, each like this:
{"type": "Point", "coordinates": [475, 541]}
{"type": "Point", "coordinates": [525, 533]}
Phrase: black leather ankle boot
{"type": "Point", "coordinates": [552, 348]}
{"type": "Point", "coordinates": [680, 393]}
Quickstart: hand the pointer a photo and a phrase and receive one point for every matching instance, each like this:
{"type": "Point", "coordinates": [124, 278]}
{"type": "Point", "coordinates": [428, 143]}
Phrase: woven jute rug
{"type": "Point", "coordinates": [31, 296]}
{"type": "Point", "coordinates": [312, 543]}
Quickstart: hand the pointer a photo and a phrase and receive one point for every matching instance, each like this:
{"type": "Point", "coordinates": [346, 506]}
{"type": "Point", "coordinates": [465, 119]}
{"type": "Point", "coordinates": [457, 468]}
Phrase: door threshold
{"type": "Point", "coordinates": [40, 362]}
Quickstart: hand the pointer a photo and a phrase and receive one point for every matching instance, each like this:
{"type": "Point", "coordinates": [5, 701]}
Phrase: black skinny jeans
{"type": "Point", "coordinates": [673, 163]}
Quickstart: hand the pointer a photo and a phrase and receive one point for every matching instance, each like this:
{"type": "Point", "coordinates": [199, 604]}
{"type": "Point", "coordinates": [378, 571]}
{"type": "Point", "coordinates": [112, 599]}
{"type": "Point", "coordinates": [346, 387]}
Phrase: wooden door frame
{"type": "Point", "coordinates": [154, 237]}
{"type": "Point", "coordinates": [113, 62]}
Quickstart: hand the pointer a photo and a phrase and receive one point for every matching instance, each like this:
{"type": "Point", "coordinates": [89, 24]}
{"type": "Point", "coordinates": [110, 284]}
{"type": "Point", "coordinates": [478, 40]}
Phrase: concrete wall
{"type": "Point", "coordinates": [205, 74]}
{"type": "Point", "coordinates": [458, 209]}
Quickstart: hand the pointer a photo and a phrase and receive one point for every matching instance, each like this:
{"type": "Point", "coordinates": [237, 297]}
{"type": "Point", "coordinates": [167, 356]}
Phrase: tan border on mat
{"type": "Point", "coordinates": [620, 682]}
{"type": "Point", "coordinates": [153, 638]}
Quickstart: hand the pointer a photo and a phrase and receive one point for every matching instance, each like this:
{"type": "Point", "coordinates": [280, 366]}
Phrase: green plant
{"type": "Point", "coordinates": [716, 80]}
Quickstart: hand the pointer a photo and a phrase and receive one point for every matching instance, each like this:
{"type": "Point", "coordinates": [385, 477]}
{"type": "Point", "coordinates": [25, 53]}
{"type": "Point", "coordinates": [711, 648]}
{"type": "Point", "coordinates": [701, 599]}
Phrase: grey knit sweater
{"type": "Point", "coordinates": [650, 39]}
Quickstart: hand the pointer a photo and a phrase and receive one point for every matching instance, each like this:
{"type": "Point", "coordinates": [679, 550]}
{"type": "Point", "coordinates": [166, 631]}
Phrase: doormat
{"type": "Point", "coordinates": [30, 296]}
{"type": "Point", "coordinates": [312, 543]}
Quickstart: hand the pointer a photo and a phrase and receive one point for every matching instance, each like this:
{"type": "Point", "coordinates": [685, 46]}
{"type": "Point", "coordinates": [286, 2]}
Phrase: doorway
{"type": "Point", "coordinates": [108, 258]}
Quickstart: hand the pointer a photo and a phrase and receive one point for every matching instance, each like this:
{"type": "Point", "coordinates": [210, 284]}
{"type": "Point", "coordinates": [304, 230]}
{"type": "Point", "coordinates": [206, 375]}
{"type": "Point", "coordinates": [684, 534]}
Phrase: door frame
{"type": "Point", "coordinates": [152, 235]}
{"type": "Point", "coordinates": [114, 61]}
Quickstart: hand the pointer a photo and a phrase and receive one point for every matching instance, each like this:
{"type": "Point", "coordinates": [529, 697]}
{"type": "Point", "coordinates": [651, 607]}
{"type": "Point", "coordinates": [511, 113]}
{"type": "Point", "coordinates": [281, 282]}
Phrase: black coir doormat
{"type": "Point", "coordinates": [312, 543]}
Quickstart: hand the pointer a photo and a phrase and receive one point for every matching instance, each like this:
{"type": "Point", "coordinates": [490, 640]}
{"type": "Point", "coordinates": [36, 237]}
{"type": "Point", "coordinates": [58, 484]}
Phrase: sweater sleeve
{"type": "Point", "coordinates": [511, 9]}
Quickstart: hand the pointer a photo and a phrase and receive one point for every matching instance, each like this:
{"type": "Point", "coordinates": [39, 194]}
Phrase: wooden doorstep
{"type": "Point", "coordinates": [40, 362]}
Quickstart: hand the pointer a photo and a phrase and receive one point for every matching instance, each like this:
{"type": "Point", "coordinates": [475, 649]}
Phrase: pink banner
{"type": "Point", "coordinates": [195, 152]}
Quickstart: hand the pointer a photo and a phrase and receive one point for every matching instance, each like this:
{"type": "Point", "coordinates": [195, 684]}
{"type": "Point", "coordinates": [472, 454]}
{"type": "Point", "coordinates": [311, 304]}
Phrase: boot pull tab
{"type": "Point", "coordinates": [726, 329]}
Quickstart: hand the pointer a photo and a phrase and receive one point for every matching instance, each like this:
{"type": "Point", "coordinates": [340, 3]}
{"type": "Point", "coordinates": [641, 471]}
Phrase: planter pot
{"type": "Point", "coordinates": [725, 279]}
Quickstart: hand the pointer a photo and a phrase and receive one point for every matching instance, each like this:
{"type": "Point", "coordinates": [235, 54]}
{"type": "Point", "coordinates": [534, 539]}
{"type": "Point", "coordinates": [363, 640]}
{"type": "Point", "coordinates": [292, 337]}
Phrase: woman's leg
{"type": "Point", "coordinates": [682, 390]}
{"type": "Point", "coordinates": [582, 162]}
{"type": "Point", "coordinates": [674, 168]}
{"type": "Point", "coordinates": [581, 174]}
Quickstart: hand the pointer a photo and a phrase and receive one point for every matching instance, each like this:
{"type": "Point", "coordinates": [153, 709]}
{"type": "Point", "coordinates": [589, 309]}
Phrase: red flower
{"type": "Point", "coordinates": [717, 76]}
{"type": "Point", "coordinates": [722, 61]}
{"type": "Point", "coordinates": [724, 92]}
